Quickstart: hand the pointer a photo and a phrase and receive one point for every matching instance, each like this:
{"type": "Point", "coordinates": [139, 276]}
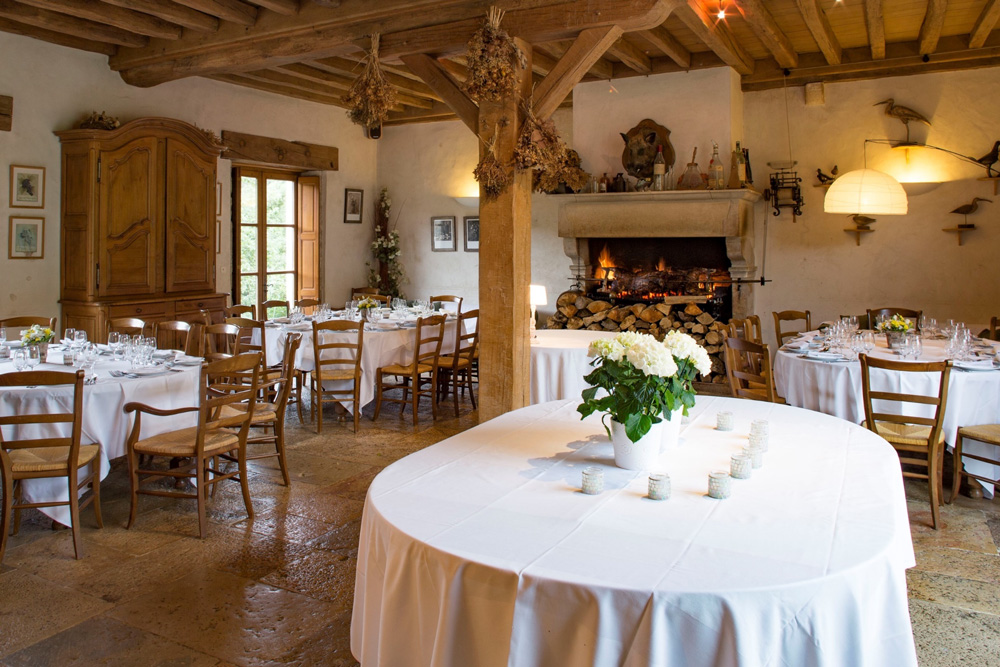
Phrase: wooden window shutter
{"type": "Point", "coordinates": [308, 272]}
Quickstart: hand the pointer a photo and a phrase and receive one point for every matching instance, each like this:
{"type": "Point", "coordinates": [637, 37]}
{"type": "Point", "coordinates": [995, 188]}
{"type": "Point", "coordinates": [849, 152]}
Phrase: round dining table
{"type": "Point", "coordinates": [104, 420]}
{"type": "Point", "coordinates": [482, 550]}
{"type": "Point", "coordinates": [833, 386]}
{"type": "Point", "coordinates": [559, 362]}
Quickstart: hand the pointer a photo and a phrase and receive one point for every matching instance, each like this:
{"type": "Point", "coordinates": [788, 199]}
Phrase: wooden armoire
{"type": "Point", "coordinates": [138, 224]}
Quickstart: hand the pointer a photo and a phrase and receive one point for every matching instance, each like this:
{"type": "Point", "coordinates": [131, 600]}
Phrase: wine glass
{"type": "Point", "coordinates": [69, 336]}
{"type": "Point", "coordinates": [114, 341]}
{"type": "Point", "coordinates": [869, 342]}
{"type": "Point", "coordinates": [20, 359]}
{"type": "Point", "coordinates": [80, 336]}
{"type": "Point", "coordinates": [34, 356]}
{"type": "Point", "coordinates": [375, 315]}
{"type": "Point", "coordinates": [852, 322]}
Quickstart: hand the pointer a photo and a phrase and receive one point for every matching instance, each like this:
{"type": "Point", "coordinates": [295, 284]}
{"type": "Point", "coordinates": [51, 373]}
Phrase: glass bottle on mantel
{"type": "Point", "coordinates": [738, 176]}
{"type": "Point", "coordinates": [716, 180]}
{"type": "Point", "coordinates": [659, 170]}
{"type": "Point", "coordinates": [602, 185]}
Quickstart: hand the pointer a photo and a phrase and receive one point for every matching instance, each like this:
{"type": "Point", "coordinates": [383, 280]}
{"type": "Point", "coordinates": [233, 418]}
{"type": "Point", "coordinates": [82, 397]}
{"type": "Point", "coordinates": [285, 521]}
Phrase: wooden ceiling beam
{"type": "Point", "coordinates": [352, 68]}
{"type": "Point", "coordinates": [59, 38]}
{"type": "Point", "coordinates": [763, 25]}
{"type": "Point", "coordinates": [286, 7]}
{"type": "Point", "coordinates": [571, 68]}
{"type": "Point", "coordinates": [602, 69]}
{"type": "Point", "coordinates": [930, 29]}
{"type": "Point", "coordinates": [269, 150]}
{"type": "Point", "coordinates": [172, 12]}
{"type": "Point", "coordinates": [287, 91]}
{"type": "Point", "coordinates": [441, 112]}
{"type": "Point", "coordinates": [821, 30]}
{"type": "Point", "coordinates": [984, 24]}
{"type": "Point", "coordinates": [716, 35]}
{"type": "Point", "coordinates": [228, 10]}
{"type": "Point", "coordinates": [69, 25]}
{"type": "Point", "coordinates": [126, 19]}
{"type": "Point", "coordinates": [434, 74]}
{"type": "Point", "coordinates": [630, 54]}
{"type": "Point", "coordinates": [876, 28]}
{"type": "Point", "coordinates": [541, 62]}
{"type": "Point", "coordinates": [457, 70]}
{"type": "Point", "coordinates": [661, 38]}
{"type": "Point", "coordinates": [341, 82]}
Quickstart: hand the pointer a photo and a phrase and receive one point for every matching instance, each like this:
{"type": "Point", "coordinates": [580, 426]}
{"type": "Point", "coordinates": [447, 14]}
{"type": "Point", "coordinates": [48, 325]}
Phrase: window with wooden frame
{"type": "Point", "coordinates": [276, 236]}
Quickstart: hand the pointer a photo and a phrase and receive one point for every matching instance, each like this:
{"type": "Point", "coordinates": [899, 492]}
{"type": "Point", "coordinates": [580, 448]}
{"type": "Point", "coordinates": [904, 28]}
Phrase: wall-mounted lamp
{"type": "Point", "coordinates": [537, 296]}
{"type": "Point", "coordinates": [866, 192]}
{"type": "Point", "coordinates": [468, 202]}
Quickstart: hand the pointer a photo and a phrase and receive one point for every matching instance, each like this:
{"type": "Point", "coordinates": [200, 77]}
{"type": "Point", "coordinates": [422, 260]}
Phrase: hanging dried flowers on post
{"type": "Point", "coordinates": [567, 178]}
{"type": "Point", "coordinates": [493, 60]}
{"type": "Point", "coordinates": [371, 95]}
{"type": "Point", "coordinates": [539, 145]}
{"type": "Point", "coordinates": [490, 173]}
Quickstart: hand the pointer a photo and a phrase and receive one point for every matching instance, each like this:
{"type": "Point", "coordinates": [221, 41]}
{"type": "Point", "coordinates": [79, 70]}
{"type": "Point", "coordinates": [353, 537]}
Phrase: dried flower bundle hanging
{"type": "Point", "coordinates": [569, 173]}
{"type": "Point", "coordinates": [371, 95]}
{"type": "Point", "coordinates": [539, 145]}
{"type": "Point", "coordinates": [493, 60]}
{"type": "Point", "coordinates": [490, 173]}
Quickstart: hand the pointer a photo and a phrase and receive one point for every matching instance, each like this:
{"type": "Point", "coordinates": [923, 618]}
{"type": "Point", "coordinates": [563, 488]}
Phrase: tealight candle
{"type": "Point", "coordinates": [659, 486]}
{"type": "Point", "coordinates": [756, 455]}
{"type": "Point", "coordinates": [760, 426]}
{"type": "Point", "coordinates": [740, 466]}
{"type": "Point", "coordinates": [718, 484]}
{"type": "Point", "coordinates": [759, 440]}
{"type": "Point", "coordinates": [724, 421]}
{"type": "Point", "coordinates": [593, 480]}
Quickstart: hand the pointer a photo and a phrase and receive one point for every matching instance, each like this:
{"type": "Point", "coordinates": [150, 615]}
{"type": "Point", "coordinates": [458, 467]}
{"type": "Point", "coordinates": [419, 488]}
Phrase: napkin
{"type": "Point", "coordinates": [281, 320]}
{"type": "Point", "coordinates": [824, 356]}
{"type": "Point", "coordinates": [797, 344]}
{"type": "Point", "coordinates": [983, 365]}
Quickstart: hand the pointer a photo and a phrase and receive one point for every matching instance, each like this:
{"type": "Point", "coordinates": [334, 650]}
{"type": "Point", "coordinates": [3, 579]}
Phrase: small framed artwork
{"type": "Point", "coordinates": [443, 234]}
{"type": "Point", "coordinates": [472, 234]}
{"type": "Point", "coordinates": [353, 202]}
{"type": "Point", "coordinates": [27, 238]}
{"type": "Point", "coordinates": [27, 186]}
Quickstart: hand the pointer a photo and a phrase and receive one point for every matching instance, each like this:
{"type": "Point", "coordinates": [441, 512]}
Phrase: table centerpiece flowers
{"type": "Point", "coordinates": [39, 336]}
{"type": "Point", "coordinates": [648, 386]}
{"type": "Point", "coordinates": [367, 304]}
{"type": "Point", "coordinates": [894, 329]}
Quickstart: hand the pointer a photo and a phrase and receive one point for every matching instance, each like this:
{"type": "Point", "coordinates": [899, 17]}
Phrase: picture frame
{"type": "Point", "coordinates": [471, 233]}
{"type": "Point", "coordinates": [26, 239]}
{"type": "Point", "coordinates": [353, 205]}
{"type": "Point", "coordinates": [443, 233]}
{"type": "Point", "coordinates": [27, 186]}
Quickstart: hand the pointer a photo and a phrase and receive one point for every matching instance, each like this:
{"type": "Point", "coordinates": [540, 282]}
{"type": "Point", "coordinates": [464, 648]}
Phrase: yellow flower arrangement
{"type": "Point", "coordinates": [896, 323]}
{"type": "Point", "coordinates": [37, 335]}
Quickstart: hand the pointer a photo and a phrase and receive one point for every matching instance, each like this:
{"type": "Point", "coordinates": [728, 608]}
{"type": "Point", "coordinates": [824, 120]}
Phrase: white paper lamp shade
{"type": "Point", "coordinates": [537, 295]}
{"type": "Point", "coordinates": [866, 191]}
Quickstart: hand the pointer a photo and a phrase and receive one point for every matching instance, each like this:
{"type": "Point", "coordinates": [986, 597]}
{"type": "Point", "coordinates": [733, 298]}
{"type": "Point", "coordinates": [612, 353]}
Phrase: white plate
{"type": "Point", "coordinates": [151, 370]}
{"type": "Point", "coordinates": [825, 356]}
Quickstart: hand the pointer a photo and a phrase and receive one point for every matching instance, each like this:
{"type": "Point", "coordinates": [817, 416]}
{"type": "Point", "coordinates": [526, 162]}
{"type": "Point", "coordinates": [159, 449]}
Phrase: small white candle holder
{"type": "Point", "coordinates": [759, 440]}
{"type": "Point", "coordinates": [593, 480]}
{"type": "Point", "coordinates": [756, 455]}
{"type": "Point", "coordinates": [760, 426]}
{"type": "Point", "coordinates": [740, 466]}
{"type": "Point", "coordinates": [724, 421]}
{"type": "Point", "coordinates": [659, 486]}
{"type": "Point", "coordinates": [718, 484]}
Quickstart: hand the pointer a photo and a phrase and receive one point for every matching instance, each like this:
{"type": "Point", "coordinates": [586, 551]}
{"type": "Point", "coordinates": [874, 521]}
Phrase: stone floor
{"type": "Point", "coordinates": [278, 590]}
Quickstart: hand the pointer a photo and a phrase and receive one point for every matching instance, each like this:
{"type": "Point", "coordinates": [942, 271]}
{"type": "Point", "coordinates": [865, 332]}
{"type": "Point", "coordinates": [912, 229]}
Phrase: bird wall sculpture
{"type": "Point", "coordinates": [862, 221]}
{"type": "Point", "coordinates": [990, 159]}
{"type": "Point", "coordinates": [971, 207]}
{"type": "Point", "coordinates": [903, 114]}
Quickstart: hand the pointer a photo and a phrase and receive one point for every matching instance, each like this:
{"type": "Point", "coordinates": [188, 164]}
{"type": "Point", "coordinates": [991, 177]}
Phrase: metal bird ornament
{"type": "Point", "coordinates": [826, 178]}
{"type": "Point", "coordinates": [971, 207]}
{"type": "Point", "coordinates": [990, 159]}
{"type": "Point", "coordinates": [903, 114]}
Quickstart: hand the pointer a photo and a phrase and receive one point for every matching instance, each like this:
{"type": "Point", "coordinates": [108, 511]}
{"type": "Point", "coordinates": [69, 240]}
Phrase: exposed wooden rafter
{"type": "Point", "coordinates": [171, 11]}
{"type": "Point", "coordinates": [664, 41]}
{"type": "Point", "coordinates": [288, 91]}
{"type": "Point", "coordinates": [984, 24]}
{"type": "Point", "coordinates": [876, 28]}
{"type": "Point", "coordinates": [229, 10]}
{"type": "Point", "coordinates": [716, 34]}
{"type": "Point", "coordinates": [930, 29]}
{"type": "Point", "coordinates": [339, 82]}
{"type": "Point", "coordinates": [353, 67]}
{"type": "Point", "coordinates": [440, 81]}
{"type": "Point", "coordinates": [126, 19]}
{"type": "Point", "coordinates": [602, 69]}
{"type": "Point", "coordinates": [820, 29]}
{"type": "Point", "coordinates": [631, 55]}
{"type": "Point", "coordinates": [59, 38]}
{"type": "Point", "coordinates": [763, 25]}
{"type": "Point", "coordinates": [578, 59]}
{"type": "Point", "coordinates": [286, 7]}
{"type": "Point", "coordinates": [240, 146]}
{"type": "Point", "coordinates": [69, 25]}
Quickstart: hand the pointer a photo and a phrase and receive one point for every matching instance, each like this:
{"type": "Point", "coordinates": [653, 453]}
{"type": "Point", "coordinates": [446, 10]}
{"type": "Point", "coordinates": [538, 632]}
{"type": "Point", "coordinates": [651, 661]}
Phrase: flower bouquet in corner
{"type": "Point", "coordinates": [896, 323]}
{"type": "Point", "coordinates": [645, 381]}
{"type": "Point", "coordinates": [37, 335]}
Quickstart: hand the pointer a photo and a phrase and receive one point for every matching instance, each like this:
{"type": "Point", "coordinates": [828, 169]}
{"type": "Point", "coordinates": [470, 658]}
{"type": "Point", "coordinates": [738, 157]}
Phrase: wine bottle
{"type": "Point", "coordinates": [716, 180]}
{"type": "Point", "coordinates": [659, 170]}
{"type": "Point", "coordinates": [746, 160]}
{"type": "Point", "coordinates": [741, 166]}
{"type": "Point", "coordinates": [602, 185]}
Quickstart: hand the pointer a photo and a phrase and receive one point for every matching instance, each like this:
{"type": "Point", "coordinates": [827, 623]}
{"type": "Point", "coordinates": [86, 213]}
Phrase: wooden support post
{"type": "Point", "coordinates": [505, 265]}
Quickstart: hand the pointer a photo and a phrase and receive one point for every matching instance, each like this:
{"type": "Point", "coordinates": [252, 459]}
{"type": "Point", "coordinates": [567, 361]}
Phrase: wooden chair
{"type": "Point", "coordinates": [988, 433]}
{"type": "Point", "coordinates": [239, 310]}
{"type": "Point", "coordinates": [53, 456]}
{"type": "Point", "coordinates": [422, 369]}
{"type": "Point", "coordinates": [219, 434]}
{"type": "Point", "coordinates": [337, 360]}
{"type": "Point", "coordinates": [358, 292]}
{"type": "Point", "coordinates": [790, 316]}
{"type": "Point", "coordinates": [274, 304]}
{"type": "Point", "coordinates": [181, 334]}
{"type": "Point", "coordinates": [307, 304]}
{"type": "Point", "coordinates": [918, 440]}
{"type": "Point", "coordinates": [748, 367]}
{"type": "Point", "coordinates": [27, 321]}
{"type": "Point", "coordinates": [132, 326]}
{"type": "Point", "coordinates": [457, 366]}
{"type": "Point", "coordinates": [994, 334]}
{"type": "Point", "coordinates": [736, 329]}
{"type": "Point", "coordinates": [448, 298]}
{"type": "Point", "coordinates": [245, 343]}
{"type": "Point", "coordinates": [220, 340]}
{"type": "Point", "coordinates": [874, 313]}
{"type": "Point", "coordinates": [7, 489]}
{"type": "Point", "coordinates": [752, 330]}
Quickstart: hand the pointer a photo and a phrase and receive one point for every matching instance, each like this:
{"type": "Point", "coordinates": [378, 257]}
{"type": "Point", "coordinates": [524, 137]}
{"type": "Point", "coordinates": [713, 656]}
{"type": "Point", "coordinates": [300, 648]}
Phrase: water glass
{"type": "Point", "coordinates": [869, 342]}
{"type": "Point", "coordinates": [740, 466]}
{"type": "Point", "coordinates": [3, 335]}
{"type": "Point", "coordinates": [20, 359]}
{"type": "Point", "coordinates": [593, 480]}
{"type": "Point", "coordinates": [724, 421]}
{"type": "Point", "coordinates": [114, 341]}
{"type": "Point", "coordinates": [34, 356]}
{"type": "Point", "coordinates": [375, 315]}
{"type": "Point", "coordinates": [718, 484]}
{"type": "Point", "coordinates": [659, 486]}
{"type": "Point", "coordinates": [80, 336]}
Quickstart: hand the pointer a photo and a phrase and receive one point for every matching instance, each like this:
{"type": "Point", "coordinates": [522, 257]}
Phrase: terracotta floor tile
{"type": "Point", "coordinates": [319, 574]}
{"type": "Point", "coordinates": [959, 563]}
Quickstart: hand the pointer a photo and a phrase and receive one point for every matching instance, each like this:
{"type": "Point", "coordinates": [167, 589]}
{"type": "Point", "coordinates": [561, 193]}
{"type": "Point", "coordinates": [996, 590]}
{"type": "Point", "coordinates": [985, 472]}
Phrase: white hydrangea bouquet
{"type": "Point", "coordinates": [37, 335]}
{"type": "Point", "coordinates": [645, 380]}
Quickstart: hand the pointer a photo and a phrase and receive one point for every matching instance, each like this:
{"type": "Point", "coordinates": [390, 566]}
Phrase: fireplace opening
{"type": "Point", "coordinates": [670, 270]}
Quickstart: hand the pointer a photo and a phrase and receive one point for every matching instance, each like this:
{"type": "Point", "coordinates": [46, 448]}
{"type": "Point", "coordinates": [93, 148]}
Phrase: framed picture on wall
{"type": "Point", "coordinates": [353, 202]}
{"type": "Point", "coordinates": [472, 234]}
{"type": "Point", "coordinates": [443, 234]}
{"type": "Point", "coordinates": [27, 238]}
{"type": "Point", "coordinates": [27, 186]}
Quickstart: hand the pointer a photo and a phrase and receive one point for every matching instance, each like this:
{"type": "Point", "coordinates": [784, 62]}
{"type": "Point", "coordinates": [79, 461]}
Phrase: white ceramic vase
{"type": "Point", "coordinates": [671, 430]}
{"type": "Point", "coordinates": [642, 455]}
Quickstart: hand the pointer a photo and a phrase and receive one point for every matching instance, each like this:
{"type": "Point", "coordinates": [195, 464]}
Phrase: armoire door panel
{"type": "Point", "coordinates": [190, 215]}
{"type": "Point", "coordinates": [128, 231]}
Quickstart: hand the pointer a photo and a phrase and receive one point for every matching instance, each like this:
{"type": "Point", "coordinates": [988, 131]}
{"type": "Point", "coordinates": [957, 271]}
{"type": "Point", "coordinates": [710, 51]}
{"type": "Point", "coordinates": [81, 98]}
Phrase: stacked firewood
{"type": "Point", "coordinates": [574, 310]}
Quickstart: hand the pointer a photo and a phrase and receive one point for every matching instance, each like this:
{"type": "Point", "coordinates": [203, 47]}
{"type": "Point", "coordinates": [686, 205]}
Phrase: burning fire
{"type": "Point", "coordinates": [661, 265]}
{"type": "Point", "coordinates": [604, 259]}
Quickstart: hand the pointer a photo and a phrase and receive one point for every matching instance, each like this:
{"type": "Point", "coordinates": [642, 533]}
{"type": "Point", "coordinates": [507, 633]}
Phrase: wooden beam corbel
{"type": "Point", "coordinates": [984, 24]}
{"type": "Point", "coordinates": [664, 41]}
{"type": "Point", "coordinates": [821, 30]}
{"type": "Point", "coordinates": [763, 25]}
{"type": "Point", "coordinates": [441, 82]}
{"type": "Point", "coordinates": [876, 28]}
{"type": "Point", "coordinates": [930, 29]}
{"type": "Point", "coordinates": [717, 36]}
{"type": "Point", "coordinates": [571, 68]}
{"type": "Point", "coordinates": [298, 154]}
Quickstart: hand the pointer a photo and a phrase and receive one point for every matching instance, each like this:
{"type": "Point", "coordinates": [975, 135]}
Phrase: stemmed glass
{"type": "Point", "coordinates": [34, 356]}
{"type": "Point", "coordinates": [80, 336]}
{"type": "Point", "coordinates": [114, 341]}
{"type": "Point", "coordinates": [3, 335]}
{"type": "Point", "coordinates": [375, 315]}
{"type": "Point", "coordinates": [869, 342]}
{"type": "Point", "coordinates": [20, 359]}
{"type": "Point", "coordinates": [69, 336]}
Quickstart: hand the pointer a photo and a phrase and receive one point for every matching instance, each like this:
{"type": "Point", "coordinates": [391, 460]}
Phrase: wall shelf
{"type": "Point", "coordinates": [958, 230]}
{"type": "Point", "coordinates": [996, 182]}
{"type": "Point", "coordinates": [857, 231]}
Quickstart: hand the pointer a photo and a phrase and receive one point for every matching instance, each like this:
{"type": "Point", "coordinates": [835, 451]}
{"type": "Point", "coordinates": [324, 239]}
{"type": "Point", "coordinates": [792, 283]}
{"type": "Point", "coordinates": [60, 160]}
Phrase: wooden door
{"type": "Point", "coordinates": [130, 222]}
{"type": "Point", "coordinates": [190, 218]}
{"type": "Point", "coordinates": [308, 277]}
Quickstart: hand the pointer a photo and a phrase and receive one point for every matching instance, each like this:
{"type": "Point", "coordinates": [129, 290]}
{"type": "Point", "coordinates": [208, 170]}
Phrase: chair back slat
{"type": "Point", "coordinates": [31, 429]}
{"type": "Point", "coordinates": [466, 337]}
{"type": "Point", "coordinates": [220, 339]}
{"type": "Point", "coordinates": [748, 367]}
{"type": "Point", "coordinates": [227, 382]}
{"type": "Point", "coordinates": [938, 401]}
{"type": "Point", "coordinates": [240, 310]}
{"type": "Point", "coordinates": [286, 380]}
{"type": "Point", "coordinates": [427, 342]}
{"type": "Point", "coordinates": [132, 326]}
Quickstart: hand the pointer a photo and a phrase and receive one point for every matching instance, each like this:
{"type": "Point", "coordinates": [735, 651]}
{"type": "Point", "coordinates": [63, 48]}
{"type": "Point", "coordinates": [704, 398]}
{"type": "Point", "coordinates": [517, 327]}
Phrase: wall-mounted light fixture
{"type": "Point", "coordinates": [468, 202]}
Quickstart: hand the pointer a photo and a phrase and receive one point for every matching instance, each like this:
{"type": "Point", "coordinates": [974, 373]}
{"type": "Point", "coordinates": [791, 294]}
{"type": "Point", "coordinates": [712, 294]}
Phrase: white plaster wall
{"type": "Point", "coordinates": [55, 87]}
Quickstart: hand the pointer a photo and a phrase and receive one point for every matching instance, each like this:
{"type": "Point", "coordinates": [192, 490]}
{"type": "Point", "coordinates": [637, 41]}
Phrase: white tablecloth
{"type": "Point", "coordinates": [381, 348]}
{"type": "Point", "coordinates": [480, 550]}
{"type": "Point", "coordinates": [835, 388]}
{"type": "Point", "coordinates": [104, 421]}
{"type": "Point", "coordinates": [559, 361]}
